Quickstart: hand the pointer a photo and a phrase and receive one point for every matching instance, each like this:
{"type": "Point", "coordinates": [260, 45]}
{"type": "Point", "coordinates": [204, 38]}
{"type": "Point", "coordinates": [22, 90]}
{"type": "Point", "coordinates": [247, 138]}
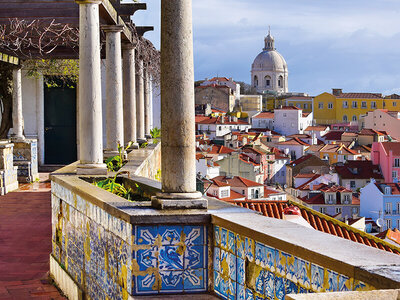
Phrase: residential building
{"type": "Point", "coordinates": [303, 102]}
{"type": "Point", "coordinates": [369, 136]}
{"type": "Point", "coordinates": [222, 191]}
{"type": "Point", "coordinates": [387, 156]}
{"type": "Point", "coordinates": [223, 81]}
{"type": "Point", "coordinates": [345, 126]}
{"type": "Point", "coordinates": [248, 188]}
{"type": "Point", "coordinates": [355, 174]}
{"type": "Point", "coordinates": [392, 102]}
{"type": "Point", "coordinates": [279, 166]}
{"type": "Point", "coordinates": [335, 153]}
{"type": "Point", "coordinates": [381, 201]}
{"type": "Point", "coordinates": [333, 199]}
{"type": "Point", "coordinates": [305, 165]}
{"type": "Point", "coordinates": [264, 119]}
{"type": "Point", "coordinates": [217, 127]}
{"type": "Point", "coordinates": [295, 148]}
{"type": "Point", "coordinates": [332, 137]}
{"type": "Point", "coordinates": [239, 164]}
{"type": "Point", "coordinates": [291, 120]}
{"type": "Point", "coordinates": [318, 130]}
{"type": "Point", "coordinates": [206, 166]}
{"type": "Point", "coordinates": [344, 107]}
{"type": "Point", "coordinates": [216, 152]}
{"type": "Point", "coordinates": [383, 120]}
{"type": "Point", "coordinates": [250, 103]}
{"type": "Point", "coordinates": [218, 96]}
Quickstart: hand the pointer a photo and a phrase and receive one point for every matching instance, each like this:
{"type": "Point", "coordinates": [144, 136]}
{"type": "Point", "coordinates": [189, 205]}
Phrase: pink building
{"type": "Point", "coordinates": [387, 156]}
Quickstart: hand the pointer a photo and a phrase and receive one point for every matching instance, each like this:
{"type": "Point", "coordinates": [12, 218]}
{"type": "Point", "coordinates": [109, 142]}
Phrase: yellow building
{"type": "Point", "coordinates": [303, 102]}
{"type": "Point", "coordinates": [392, 102]}
{"type": "Point", "coordinates": [251, 102]}
{"type": "Point", "coordinates": [344, 107]}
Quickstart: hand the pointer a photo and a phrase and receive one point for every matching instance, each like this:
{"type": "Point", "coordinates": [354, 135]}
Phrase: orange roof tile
{"type": "Point", "coordinates": [294, 141]}
{"type": "Point", "coordinates": [360, 95]}
{"type": "Point", "coordinates": [264, 115]}
{"type": "Point", "coordinates": [237, 181]}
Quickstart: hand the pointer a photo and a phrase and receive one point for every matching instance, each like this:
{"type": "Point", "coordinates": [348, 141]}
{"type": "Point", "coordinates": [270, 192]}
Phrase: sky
{"type": "Point", "coordinates": [348, 44]}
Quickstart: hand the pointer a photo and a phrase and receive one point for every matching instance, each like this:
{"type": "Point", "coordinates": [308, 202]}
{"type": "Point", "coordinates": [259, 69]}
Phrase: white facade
{"type": "Point", "coordinates": [382, 121]}
{"type": "Point", "coordinates": [235, 87]}
{"type": "Point", "coordinates": [217, 131]}
{"type": "Point", "coordinates": [290, 120]}
{"type": "Point", "coordinates": [263, 120]}
{"type": "Point", "coordinates": [206, 167]}
{"type": "Point", "coordinates": [280, 171]}
{"type": "Point", "coordinates": [269, 71]}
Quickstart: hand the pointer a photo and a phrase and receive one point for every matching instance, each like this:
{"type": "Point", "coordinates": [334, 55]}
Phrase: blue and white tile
{"type": "Point", "coordinates": [224, 238]}
{"type": "Point", "coordinates": [194, 235]}
{"type": "Point", "coordinates": [240, 292]}
{"type": "Point", "coordinates": [280, 263]}
{"type": "Point", "coordinates": [279, 287]}
{"type": "Point", "coordinates": [249, 294]}
{"type": "Point", "coordinates": [259, 283]}
{"type": "Point", "coordinates": [144, 284]}
{"type": "Point", "coordinates": [229, 260]}
{"type": "Point", "coordinates": [170, 258]}
{"type": "Point", "coordinates": [194, 257]}
{"type": "Point", "coordinates": [258, 296]}
{"type": "Point", "coordinates": [333, 281]}
{"type": "Point", "coordinates": [171, 281]}
{"type": "Point", "coordinates": [360, 286]}
{"type": "Point", "coordinates": [195, 280]}
{"type": "Point", "coordinates": [241, 272]}
{"type": "Point", "coordinates": [217, 259]}
{"type": "Point", "coordinates": [145, 235]}
{"type": "Point", "coordinates": [344, 283]}
{"type": "Point", "coordinates": [240, 246]}
{"type": "Point", "coordinates": [291, 268]}
{"type": "Point", "coordinates": [304, 273]}
{"type": "Point", "coordinates": [217, 283]}
{"type": "Point", "coordinates": [223, 288]}
{"type": "Point", "coordinates": [170, 235]}
{"type": "Point", "coordinates": [249, 249]}
{"type": "Point", "coordinates": [231, 290]}
{"type": "Point", "coordinates": [269, 284]}
{"type": "Point", "coordinates": [270, 258]}
{"type": "Point", "coordinates": [231, 246]}
{"type": "Point", "coordinates": [217, 235]}
{"type": "Point", "coordinates": [259, 254]}
{"type": "Point", "coordinates": [317, 278]}
{"type": "Point", "coordinates": [290, 287]}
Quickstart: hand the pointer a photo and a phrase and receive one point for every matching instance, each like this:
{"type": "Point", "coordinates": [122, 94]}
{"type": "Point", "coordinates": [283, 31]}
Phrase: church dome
{"type": "Point", "coordinates": [269, 59]}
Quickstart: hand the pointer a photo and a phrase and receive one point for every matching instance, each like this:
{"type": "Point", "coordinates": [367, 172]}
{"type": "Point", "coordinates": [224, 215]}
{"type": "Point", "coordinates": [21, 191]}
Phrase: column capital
{"type": "Point", "coordinates": [128, 46]}
{"type": "Point", "coordinates": [88, 1]}
{"type": "Point", "coordinates": [112, 28]}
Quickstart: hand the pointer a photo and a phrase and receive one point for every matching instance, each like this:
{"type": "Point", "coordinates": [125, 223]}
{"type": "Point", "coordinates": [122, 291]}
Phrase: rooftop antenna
{"type": "Point", "coordinates": [269, 29]}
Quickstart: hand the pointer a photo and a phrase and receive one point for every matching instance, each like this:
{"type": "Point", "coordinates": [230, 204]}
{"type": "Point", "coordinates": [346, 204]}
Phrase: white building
{"type": "Point", "coordinates": [269, 71]}
{"type": "Point", "coordinates": [206, 166]}
{"type": "Point", "coordinates": [264, 119]}
{"type": "Point", "coordinates": [383, 120]}
{"type": "Point", "coordinates": [235, 87]}
{"type": "Point", "coordinates": [290, 120]}
{"type": "Point", "coordinates": [216, 128]}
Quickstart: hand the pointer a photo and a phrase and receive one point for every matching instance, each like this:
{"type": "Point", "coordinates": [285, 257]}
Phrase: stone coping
{"type": "Point", "coordinates": [346, 257]}
{"type": "Point", "coordinates": [369, 295]}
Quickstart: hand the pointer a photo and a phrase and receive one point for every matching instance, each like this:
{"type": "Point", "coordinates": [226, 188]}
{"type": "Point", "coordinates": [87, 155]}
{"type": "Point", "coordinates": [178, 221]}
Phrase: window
{"type": "Point", "coordinates": [384, 104]}
{"type": "Point", "coordinates": [388, 223]}
{"type": "Point", "coordinates": [320, 105]}
{"type": "Point", "coordinates": [388, 208]}
{"type": "Point", "coordinates": [355, 210]}
{"type": "Point", "coordinates": [219, 127]}
{"type": "Point", "coordinates": [257, 194]}
{"type": "Point", "coordinates": [398, 223]}
{"type": "Point", "coordinates": [394, 103]}
{"type": "Point", "coordinates": [267, 81]}
{"type": "Point", "coordinates": [338, 210]}
{"type": "Point", "coordinates": [352, 184]}
{"type": "Point", "coordinates": [345, 104]}
{"type": "Point", "coordinates": [280, 81]}
{"type": "Point", "coordinates": [364, 104]}
{"type": "Point", "coordinates": [322, 210]}
{"type": "Point", "coordinates": [330, 105]}
{"type": "Point", "coordinates": [252, 193]}
{"type": "Point", "coordinates": [398, 210]}
{"type": "Point", "coordinates": [291, 104]}
{"type": "Point", "coordinates": [394, 175]}
{"type": "Point", "coordinates": [305, 105]}
{"type": "Point", "coordinates": [298, 105]}
{"type": "Point", "coordinates": [354, 118]}
{"type": "Point", "coordinates": [397, 162]}
{"type": "Point", "coordinates": [345, 118]}
{"type": "Point", "coordinates": [354, 105]}
{"type": "Point", "coordinates": [373, 104]}
{"type": "Point", "coordinates": [284, 114]}
{"type": "Point", "coordinates": [330, 199]}
{"type": "Point", "coordinates": [346, 199]}
{"type": "Point", "coordinates": [243, 192]}
{"type": "Point", "coordinates": [224, 193]}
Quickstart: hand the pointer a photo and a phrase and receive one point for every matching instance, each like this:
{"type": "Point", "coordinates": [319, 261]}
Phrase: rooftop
{"type": "Point", "coordinates": [359, 169]}
{"type": "Point", "coordinates": [264, 115]}
{"type": "Point", "coordinates": [237, 181]}
{"type": "Point", "coordinates": [360, 95]}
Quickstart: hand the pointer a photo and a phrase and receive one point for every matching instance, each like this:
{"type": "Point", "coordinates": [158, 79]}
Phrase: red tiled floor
{"type": "Point", "coordinates": [25, 243]}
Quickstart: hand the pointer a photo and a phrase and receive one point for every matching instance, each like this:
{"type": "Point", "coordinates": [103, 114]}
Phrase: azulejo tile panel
{"type": "Point", "coordinates": [247, 269]}
{"type": "Point", "coordinates": [170, 259]}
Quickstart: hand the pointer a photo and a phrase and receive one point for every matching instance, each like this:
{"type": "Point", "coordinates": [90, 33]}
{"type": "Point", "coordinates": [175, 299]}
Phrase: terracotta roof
{"type": "Point", "coordinates": [333, 135]}
{"type": "Point", "coordinates": [294, 141]}
{"type": "Point", "coordinates": [219, 183]}
{"type": "Point", "coordinates": [305, 115]}
{"type": "Point", "coordinates": [305, 175]}
{"type": "Point", "coordinates": [234, 196]}
{"type": "Point", "coordinates": [268, 192]}
{"type": "Point", "coordinates": [247, 159]}
{"type": "Point", "coordinates": [394, 187]}
{"type": "Point", "coordinates": [319, 221]}
{"type": "Point", "coordinates": [237, 181]}
{"type": "Point", "coordinates": [360, 95]}
{"type": "Point", "coordinates": [366, 131]}
{"type": "Point", "coordinates": [301, 160]}
{"type": "Point", "coordinates": [315, 148]}
{"type": "Point", "coordinates": [359, 169]}
{"type": "Point", "coordinates": [392, 146]}
{"type": "Point", "coordinates": [218, 120]}
{"type": "Point", "coordinates": [300, 136]}
{"type": "Point", "coordinates": [305, 186]}
{"type": "Point", "coordinates": [215, 149]}
{"type": "Point", "coordinates": [279, 154]}
{"type": "Point", "coordinates": [333, 148]}
{"type": "Point", "coordinates": [392, 96]}
{"type": "Point", "coordinates": [299, 98]}
{"type": "Point", "coordinates": [213, 85]}
{"type": "Point", "coordinates": [218, 79]}
{"type": "Point", "coordinates": [316, 128]}
{"type": "Point", "coordinates": [217, 110]}
{"type": "Point", "coordinates": [289, 108]}
{"type": "Point", "coordinates": [362, 149]}
{"type": "Point", "coordinates": [264, 115]}
{"type": "Point", "coordinates": [393, 235]}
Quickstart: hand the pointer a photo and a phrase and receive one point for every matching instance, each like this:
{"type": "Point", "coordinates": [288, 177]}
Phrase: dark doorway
{"type": "Point", "coordinates": [60, 125]}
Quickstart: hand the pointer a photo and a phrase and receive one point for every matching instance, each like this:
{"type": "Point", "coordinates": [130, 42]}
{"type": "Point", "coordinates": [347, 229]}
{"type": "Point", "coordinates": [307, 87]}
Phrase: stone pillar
{"type": "Point", "coordinates": [178, 162]}
{"type": "Point", "coordinates": [90, 118]}
{"type": "Point", "coordinates": [114, 109]}
{"type": "Point", "coordinates": [151, 101]}
{"type": "Point", "coordinates": [17, 117]}
{"type": "Point", "coordinates": [140, 102]}
{"type": "Point", "coordinates": [129, 91]}
{"type": "Point", "coordinates": [147, 100]}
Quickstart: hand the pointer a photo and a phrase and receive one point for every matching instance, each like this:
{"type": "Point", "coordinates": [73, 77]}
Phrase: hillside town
{"type": "Point", "coordinates": [337, 153]}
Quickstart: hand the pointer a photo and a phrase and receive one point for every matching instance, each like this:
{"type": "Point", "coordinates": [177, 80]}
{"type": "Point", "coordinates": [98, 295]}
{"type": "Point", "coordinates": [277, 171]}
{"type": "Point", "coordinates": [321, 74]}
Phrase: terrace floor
{"type": "Point", "coordinates": [25, 242]}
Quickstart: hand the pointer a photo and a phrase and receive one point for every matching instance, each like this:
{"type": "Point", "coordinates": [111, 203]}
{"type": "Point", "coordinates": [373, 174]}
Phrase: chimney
{"type": "Point", "coordinates": [313, 138]}
{"type": "Point", "coordinates": [230, 118]}
{"type": "Point", "coordinates": [222, 120]}
{"type": "Point", "coordinates": [336, 92]}
{"type": "Point", "coordinates": [230, 79]}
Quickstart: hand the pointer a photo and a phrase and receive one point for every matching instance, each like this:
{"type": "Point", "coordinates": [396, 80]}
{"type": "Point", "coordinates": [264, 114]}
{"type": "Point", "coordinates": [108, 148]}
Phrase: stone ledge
{"type": "Point", "coordinates": [64, 281]}
{"type": "Point", "coordinates": [370, 295]}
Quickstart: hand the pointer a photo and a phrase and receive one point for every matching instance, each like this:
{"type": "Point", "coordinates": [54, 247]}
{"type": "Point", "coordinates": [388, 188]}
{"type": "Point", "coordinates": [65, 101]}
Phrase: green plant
{"type": "Point", "coordinates": [144, 145]}
{"type": "Point", "coordinates": [110, 184]}
{"type": "Point", "coordinates": [155, 134]}
{"type": "Point", "coordinates": [114, 163]}
{"type": "Point", "coordinates": [158, 175]}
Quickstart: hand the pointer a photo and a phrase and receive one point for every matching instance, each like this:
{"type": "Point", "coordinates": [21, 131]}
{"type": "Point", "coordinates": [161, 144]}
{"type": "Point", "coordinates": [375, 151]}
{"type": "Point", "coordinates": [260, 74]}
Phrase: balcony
{"type": "Point", "coordinates": [110, 246]}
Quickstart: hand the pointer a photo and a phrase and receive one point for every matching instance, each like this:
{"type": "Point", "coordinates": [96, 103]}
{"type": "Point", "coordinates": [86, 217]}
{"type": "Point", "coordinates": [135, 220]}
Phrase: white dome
{"type": "Point", "coordinates": [269, 60]}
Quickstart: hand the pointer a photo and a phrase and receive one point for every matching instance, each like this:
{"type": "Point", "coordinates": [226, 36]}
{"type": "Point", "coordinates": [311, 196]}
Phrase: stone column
{"type": "Point", "coordinates": [147, 100]}
{"type": "Point", "coordinates": [140, 102]}
{"type": "Point", "coordinates": [129, 91]}
{"type": "Point", "coordinates": [114, 109]}
{"type": "Point", "coordinates": [17, 117]}
{"type": "Point", "coordinates": [90, 118]}
{"type": "Point", "coordinates": [178, 163]}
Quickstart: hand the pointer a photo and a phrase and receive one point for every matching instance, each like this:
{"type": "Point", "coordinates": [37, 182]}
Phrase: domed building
{"type": "Point", "coordinates": [269, 71]}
